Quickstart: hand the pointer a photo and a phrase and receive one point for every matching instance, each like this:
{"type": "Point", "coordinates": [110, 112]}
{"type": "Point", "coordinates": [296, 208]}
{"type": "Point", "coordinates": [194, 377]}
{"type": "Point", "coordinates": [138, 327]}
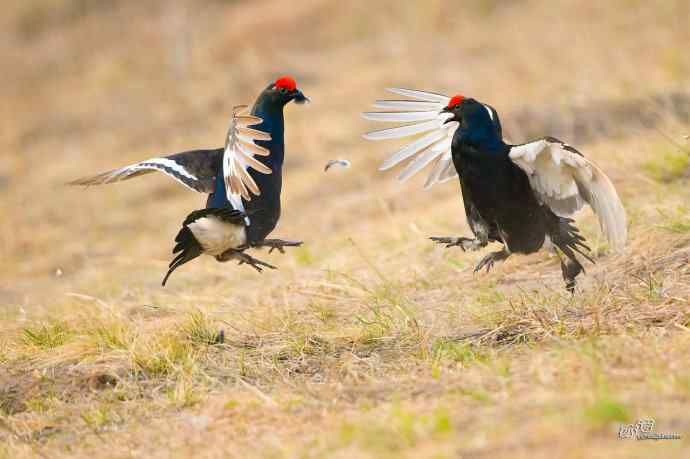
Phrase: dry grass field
{"type": "Point", "coordinates": [369, 341]}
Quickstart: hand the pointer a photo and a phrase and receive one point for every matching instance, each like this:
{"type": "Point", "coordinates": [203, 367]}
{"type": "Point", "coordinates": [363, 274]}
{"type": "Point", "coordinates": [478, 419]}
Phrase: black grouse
{"type": "Point", "coordinates": [521, 196]}
{"type": "Point", "coordinates": [251, 162]}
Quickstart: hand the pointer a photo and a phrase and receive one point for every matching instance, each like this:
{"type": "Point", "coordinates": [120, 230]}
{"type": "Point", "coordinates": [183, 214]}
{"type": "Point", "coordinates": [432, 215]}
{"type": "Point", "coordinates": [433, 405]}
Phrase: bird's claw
{"type": "Point", "coordinates": [227, 255]}
{"type": "Point", "coordinates": [465, 243]}
{"type": "Point", "coordinates": [487, 262]}
{"type": "Point", "coordinates": [276, 244]}
{"type": "Point", "coordinates": [244, 258]}
{"type": "Point", "coordinates": [253, 262]}
{"type": "Point", "coordinates": [490, 260]}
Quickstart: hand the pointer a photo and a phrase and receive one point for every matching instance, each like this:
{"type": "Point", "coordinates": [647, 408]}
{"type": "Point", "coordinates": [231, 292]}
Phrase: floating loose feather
{"type": "Point", "coordinates": [337, 162]}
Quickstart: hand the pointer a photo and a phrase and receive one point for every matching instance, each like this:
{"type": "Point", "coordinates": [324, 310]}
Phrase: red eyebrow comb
{"type": "Point", "coordinates": [455, 100]}
{"type": "Point", "coordinates": [286, 82]}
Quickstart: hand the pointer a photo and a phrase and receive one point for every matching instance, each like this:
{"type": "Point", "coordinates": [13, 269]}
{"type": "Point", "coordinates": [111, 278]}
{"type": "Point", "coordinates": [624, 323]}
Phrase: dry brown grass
{"type": "Point", "coordinates": [369, 341]}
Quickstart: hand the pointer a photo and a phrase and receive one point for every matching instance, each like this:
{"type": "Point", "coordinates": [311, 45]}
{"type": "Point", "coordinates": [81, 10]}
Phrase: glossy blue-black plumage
{"type": "Point", "coordinates": [264, 210]}
{"type": "Point", "coordinates": [493, 185]}
{"type": "Point", "coordinates": [500, 203]}
{"type": "Point", "coordinates": [479, 130]}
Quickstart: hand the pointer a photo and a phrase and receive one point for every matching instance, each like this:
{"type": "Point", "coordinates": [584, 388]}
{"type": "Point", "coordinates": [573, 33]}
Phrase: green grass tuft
{"type": "Point", "coordinates": [303, 255]}
{"type": "Point", "coordinates": [166, 355]}
{"type": "Point", "coordinates": [678, 221]}
{"type": "Point", "coordinates": [116, 336]}
{"type": "Point", "coordinates": [400, 429]}
{"type": "Point", "coordinates": [605, 410]}
{"type": "Point", "coordinates": [668, 166]}
{"type": "Point", "coordinates": [457, 352]}
{"type": "Point", "coordinates": [200, 329]}
{"type": "Point", "coordinates": [47, 336]}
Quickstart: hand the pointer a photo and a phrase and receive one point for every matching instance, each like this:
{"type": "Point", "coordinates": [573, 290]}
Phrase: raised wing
{"type": "Point", "coordinates": [240, 154]}
{"type": "Point", "coordinates": [422, 113]}
{"type": "Point", "coordinates": [195, 169]}
{"type": "Point", "coordinates": [564, 180]}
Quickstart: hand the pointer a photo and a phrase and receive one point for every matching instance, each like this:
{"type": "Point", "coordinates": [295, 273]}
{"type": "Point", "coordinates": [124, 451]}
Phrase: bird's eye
{"type": "Point", "coordinates": [283, 90]}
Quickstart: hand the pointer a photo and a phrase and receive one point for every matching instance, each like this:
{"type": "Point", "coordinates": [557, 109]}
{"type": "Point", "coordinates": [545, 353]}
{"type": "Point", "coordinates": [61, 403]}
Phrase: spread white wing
{"type": "Point", "coordinates": [240, 154]}
{"type": "Point", "coordinates": [194, 169]}
{"type": "Point", "coordinates": [564, 180]}
{"type": "Point", "coordinates": [422, 113]}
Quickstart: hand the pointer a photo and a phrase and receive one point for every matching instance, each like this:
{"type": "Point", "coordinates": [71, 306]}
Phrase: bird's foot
{"type": "Point", "coordinates": [230, 254]}
{"type": "Point", "coordinates": [276, 244]}
{"type": "Point", "coordinates": [570, 285]}
{"type": "Point", "coordinates": [570, 271]}
{"type": "Point", "coordinates": [244, 258]}
{"type": "Point", "coordinates": [253, 262]}
{"type": "Point", "coordinates": [226, 256]}
{"type": "Point", "coordinates": [489, 260]}
{"type": "Point", "coordinates": [465, 243]}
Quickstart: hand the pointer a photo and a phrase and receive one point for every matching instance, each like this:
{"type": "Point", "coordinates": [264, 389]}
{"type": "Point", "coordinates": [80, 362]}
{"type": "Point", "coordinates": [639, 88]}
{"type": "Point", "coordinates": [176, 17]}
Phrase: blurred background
{"type": "Point", "coordinates": [90, 85]}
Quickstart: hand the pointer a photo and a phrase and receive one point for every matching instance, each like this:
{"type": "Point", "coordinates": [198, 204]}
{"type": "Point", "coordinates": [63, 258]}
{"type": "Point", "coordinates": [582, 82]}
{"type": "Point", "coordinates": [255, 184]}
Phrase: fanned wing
{"type": "Point", "coordinates": [240, 154]}
{"type": "Point", "coordinates": [565, 180]}
{"type": "Point", "coordinates": [195, 169]}
{"type": "Point", "coordinates": [422, 113]}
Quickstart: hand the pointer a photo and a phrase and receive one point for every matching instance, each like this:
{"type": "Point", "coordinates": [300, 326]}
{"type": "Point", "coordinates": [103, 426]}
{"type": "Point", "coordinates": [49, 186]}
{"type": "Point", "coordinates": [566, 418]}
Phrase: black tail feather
{"type": "Point", "coordinates": [189, 248]}
{"type": "Point", "coordinates": [568, 238]}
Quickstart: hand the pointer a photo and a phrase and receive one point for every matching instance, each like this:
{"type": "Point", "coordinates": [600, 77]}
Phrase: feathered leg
{"type": "Point", "coordinates": [238, 254]}
{"type": "Point", "coordinates": [481, 229]}
{"type": "Point", "coordinates": [489, 260]}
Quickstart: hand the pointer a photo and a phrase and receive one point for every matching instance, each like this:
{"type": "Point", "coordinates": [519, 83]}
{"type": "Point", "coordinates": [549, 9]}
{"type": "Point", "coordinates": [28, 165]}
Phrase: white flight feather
{"type": "Point", "coordinates": [405, 105]}
{"type": "Point", "coordinates": [239, 156]}
{"type": "Point", "coordinates": [412, 149]}
{"type": "Point", "coordinates": [401, 116]}
{"type": "Point", "coordinates": [449, 172]}
{"type": "Point", "coordinates": [421, 95]}
{"type": "Point", "coordinates": [423, 113]}
{"type": "Point", "coordinates": [564, 181]}
{"type": "Point", "coordinates": [404, 131]}
{"type": "Point", "coordinates": [417, 164]}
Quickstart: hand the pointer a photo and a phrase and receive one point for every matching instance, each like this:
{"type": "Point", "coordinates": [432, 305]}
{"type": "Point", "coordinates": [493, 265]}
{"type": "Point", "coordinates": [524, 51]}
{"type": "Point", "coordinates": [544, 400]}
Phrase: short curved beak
{"type": "Point", "coordinates": [450, 118]}
{"type": "Point", "coordinates": [300, 98]}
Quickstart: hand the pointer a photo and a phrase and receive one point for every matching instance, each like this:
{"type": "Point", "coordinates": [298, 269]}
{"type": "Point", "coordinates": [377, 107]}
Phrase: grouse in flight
{"type": "Point", "coordinates": [521, 196]}
{"type": "Point", "coordinates": [250, 163]}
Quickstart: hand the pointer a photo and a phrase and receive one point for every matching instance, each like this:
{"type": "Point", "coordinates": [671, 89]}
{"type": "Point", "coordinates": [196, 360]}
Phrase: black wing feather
{"type": "Point", "coordinates": [196, 169]}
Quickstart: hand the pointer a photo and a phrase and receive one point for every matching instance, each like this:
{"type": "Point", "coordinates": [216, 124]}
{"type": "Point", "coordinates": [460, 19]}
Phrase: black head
{"type": "Point", "coordinates": [282, 91]}
{"type": "Point", "coordinates": [479, 123]}
{"type": "Point", "coordinates": [471, 114]}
